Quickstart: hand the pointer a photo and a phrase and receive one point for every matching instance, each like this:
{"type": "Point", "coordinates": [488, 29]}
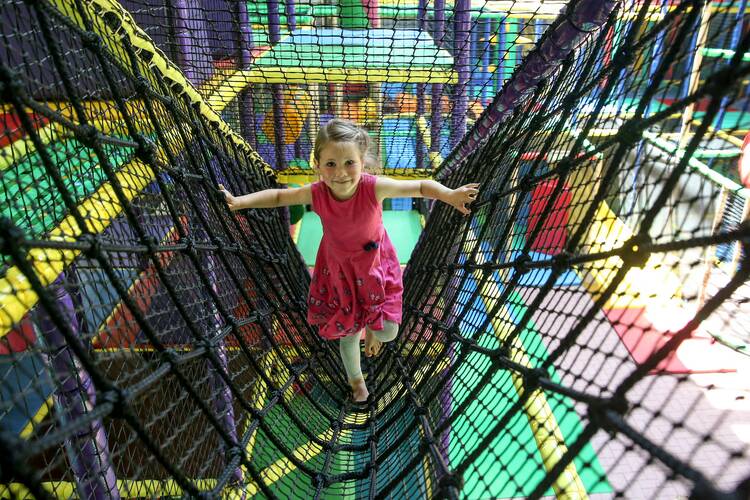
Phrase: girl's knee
{"type": "Point", "coordinates": [388, 333]}
{"type": "Point", "coordinates": [351, 340]}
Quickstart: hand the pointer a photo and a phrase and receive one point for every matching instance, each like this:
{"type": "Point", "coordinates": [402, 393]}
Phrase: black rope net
{"type": "Point", "coordinates": [580, 335]}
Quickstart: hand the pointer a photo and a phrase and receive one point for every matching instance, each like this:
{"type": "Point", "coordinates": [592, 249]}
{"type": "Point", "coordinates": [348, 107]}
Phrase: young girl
{"type": "Point", "coordinates": [356, 283]}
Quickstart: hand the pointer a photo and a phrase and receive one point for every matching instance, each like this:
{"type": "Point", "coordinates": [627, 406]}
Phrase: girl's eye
{"type": "Point", "coordinates": [330, 164]}
{"type": "Point", "coordinates": [349, 163]}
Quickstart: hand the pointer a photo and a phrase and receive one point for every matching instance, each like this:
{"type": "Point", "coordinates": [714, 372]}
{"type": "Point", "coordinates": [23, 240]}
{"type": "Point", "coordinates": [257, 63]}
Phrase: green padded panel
{"type": "Point", "coordinates": [338, 48]}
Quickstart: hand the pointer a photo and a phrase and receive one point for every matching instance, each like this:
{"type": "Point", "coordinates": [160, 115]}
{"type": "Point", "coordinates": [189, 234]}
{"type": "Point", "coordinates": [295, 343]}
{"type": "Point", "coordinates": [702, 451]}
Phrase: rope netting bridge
{"type": "Point", "coordinates": [580, 335]}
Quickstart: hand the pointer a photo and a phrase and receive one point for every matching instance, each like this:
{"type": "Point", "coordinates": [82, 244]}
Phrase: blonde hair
{"type": "Point", "coordinates": [341, 130]}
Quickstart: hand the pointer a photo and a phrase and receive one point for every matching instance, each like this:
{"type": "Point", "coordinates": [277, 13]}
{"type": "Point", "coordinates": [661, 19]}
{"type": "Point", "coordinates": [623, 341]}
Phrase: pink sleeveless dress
{"type": "Point", "coordinates": [357, 279]}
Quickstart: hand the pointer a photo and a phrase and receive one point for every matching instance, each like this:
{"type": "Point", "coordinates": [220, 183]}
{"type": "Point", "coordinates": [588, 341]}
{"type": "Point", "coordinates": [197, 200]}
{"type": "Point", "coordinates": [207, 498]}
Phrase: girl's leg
{"type": "Point", "coordinates": [349, 350]}
{"type": "Point", "coordinates": [374, 338]}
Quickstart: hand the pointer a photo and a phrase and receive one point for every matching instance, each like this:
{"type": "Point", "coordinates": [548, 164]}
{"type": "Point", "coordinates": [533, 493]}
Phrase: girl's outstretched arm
{"type": "Point", "coordinates": [268, 198]}
{"type": "Point", "coordinates": [457, 198]}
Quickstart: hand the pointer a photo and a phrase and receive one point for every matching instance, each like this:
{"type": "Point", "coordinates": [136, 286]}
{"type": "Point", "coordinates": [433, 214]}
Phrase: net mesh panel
{"type": "Point", "coordinates": [155, 344]}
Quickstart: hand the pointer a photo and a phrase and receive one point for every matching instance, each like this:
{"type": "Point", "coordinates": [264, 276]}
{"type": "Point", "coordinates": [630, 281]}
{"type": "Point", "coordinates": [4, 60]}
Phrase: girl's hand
{"type": "Point", "coordinates": [229, 198]}
{"type": "Point", "coordinates": [462, 196]}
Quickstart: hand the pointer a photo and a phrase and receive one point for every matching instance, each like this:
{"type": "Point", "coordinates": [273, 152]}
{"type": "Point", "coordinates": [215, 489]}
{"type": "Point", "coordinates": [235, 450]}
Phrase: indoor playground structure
{"type": "Point", "coordinates": [584, 333]}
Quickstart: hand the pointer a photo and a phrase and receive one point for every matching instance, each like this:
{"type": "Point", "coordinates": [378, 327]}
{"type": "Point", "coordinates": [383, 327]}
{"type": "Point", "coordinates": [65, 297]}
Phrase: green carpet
{"type": "Point", "coordinates": [509, 464]}
{"type": "Point", "coordinates": [403, 227]}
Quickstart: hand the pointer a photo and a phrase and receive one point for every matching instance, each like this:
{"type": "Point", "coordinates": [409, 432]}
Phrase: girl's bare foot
{"type": "Point", "coordinates": [372, 344]}
{"type": "Point", "coordinates": [359, 390]}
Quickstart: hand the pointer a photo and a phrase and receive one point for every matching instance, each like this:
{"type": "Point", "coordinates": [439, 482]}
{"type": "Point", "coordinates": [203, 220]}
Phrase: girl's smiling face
{"type": "Point", "coordinates": [340, 167]}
